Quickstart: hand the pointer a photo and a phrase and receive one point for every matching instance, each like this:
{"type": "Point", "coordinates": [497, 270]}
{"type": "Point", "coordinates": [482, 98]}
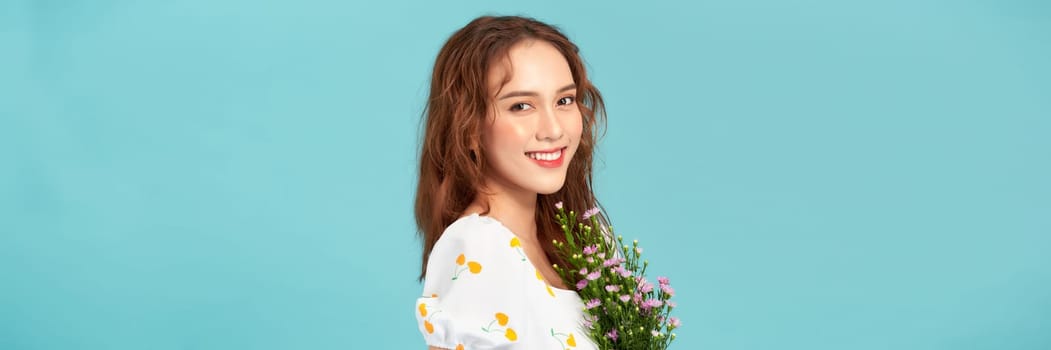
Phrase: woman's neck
{"type": "Point", "coordinates": [517, 211]}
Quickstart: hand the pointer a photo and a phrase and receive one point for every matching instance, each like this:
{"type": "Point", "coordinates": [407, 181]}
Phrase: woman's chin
{"type": "Point", "coordinates": [552, 188]}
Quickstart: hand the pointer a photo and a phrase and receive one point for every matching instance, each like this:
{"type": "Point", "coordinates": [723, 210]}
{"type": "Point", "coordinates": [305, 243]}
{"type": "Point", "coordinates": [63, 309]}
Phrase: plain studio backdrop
{"type": "Point", "coordinates": [230, 174]}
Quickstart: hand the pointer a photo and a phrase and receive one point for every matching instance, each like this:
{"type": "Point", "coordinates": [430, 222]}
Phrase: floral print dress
{"type": "Point", "coordinates": [482, 292]}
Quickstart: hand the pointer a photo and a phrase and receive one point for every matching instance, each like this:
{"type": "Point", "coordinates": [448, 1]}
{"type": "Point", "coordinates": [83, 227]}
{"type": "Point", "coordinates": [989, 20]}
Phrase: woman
{"type": "Point", "coordinates": [510, 130]}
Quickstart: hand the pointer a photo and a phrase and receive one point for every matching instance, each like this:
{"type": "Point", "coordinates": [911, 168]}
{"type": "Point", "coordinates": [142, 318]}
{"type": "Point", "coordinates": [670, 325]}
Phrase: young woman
{"type": "Point", "coordinates": [510, 129]}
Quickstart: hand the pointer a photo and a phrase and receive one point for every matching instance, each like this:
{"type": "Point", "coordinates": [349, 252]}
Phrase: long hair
{"type": "Point", "coordinates": [451, 174]}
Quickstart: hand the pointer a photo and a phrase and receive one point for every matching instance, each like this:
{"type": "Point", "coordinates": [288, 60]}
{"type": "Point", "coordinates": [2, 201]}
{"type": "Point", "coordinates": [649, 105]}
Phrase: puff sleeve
{"type": "Point", "coordinates": [473, 290]}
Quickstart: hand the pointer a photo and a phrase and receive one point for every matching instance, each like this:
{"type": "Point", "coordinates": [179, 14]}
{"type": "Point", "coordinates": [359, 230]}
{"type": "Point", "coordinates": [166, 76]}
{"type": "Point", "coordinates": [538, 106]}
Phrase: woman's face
{"type": "Point", "coordinates": [534, 125]}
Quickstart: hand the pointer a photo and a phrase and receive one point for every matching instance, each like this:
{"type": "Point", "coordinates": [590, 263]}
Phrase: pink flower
{"type": "Point", "coordinates": [620, 270]}
{"type": "Point", "coordinates": [655, 332]}
{"type": "Point", "coordinates": [592, 304]}
{"type": "Point", "coordinates": [650, 303]}
{"type": "Point", "coordinates": [558, 205]}
{"type": "Point", "coordinates": [583, 271]}
{"type": "Point", "coordinates": [674, 322]}
{"type": "Point", "coordinates": [591, 212]}
{"type": "Point", "coordinates": [671, 304]}
{"type": "Point", "coordinates": [612, 288]}
{"type": "Point", "coordinates": [582, 284]}
{"type": "Point", "coordinates": [668, 290]}
{"type": "Point", "coordinates": [601, 255]}
{"type": "Point", "coordinates": [591, 249]}
{"type": "Point", "coordinates": [589, 320]}
{"type": "Point", "coordinates": [594, 275]}
{"type": "Point", "coordinates": [662, 280]}
{"type": "Point", "coordinates": [612, 335]}
{"type": "Point", "coordinates": [645, 286]}
{"type": "Point", "coordinates": [590, 260]}
{"type": "Point", "coordinates": [625, 297]}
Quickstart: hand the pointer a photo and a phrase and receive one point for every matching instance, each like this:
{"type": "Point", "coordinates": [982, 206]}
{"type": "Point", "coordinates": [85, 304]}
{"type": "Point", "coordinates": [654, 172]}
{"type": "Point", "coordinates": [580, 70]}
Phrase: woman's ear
{"type": "Point", "coordinates": [473, 151]}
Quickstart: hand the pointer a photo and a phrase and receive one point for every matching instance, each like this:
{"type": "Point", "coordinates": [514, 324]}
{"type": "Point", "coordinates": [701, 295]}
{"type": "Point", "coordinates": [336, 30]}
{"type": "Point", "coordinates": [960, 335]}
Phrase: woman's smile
{"type": "Point", "coordinates": [548, 158]}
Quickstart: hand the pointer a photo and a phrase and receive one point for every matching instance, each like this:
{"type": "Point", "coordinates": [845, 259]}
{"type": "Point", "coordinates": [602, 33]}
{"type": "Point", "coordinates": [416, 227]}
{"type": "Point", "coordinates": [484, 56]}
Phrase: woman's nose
{"type": "Point", "coordinates": [549, 127]}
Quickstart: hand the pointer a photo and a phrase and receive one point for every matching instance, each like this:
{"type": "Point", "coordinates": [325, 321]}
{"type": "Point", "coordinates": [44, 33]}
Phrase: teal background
{"type": "Point", "coordinates": [233, 174]}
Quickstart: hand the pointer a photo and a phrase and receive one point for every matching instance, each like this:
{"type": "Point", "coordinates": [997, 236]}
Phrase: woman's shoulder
{"type": "Point", "coordinates": [473, 230]}
{"type": "Point", "coordinates": [475, 241]}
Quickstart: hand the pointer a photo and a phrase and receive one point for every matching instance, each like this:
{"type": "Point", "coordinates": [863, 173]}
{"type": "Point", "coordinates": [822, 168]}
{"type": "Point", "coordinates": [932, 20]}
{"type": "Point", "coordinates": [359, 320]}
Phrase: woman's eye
{"type": "Point", "coordinates": [520, 107]}
{"type": "Point", "coordinates": [568, 100]}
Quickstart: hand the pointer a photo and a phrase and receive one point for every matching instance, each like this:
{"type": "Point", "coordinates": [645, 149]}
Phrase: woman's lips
{"type": "Point", "coordinates": [549, 158]}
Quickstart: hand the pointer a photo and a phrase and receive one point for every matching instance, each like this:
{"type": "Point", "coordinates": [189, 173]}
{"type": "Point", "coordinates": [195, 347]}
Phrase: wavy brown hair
{"type": "Point", "coordinates": [451, 173]}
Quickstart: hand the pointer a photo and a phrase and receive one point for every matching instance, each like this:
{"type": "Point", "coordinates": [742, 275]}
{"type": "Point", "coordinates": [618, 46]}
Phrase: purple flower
{"type": "Point", "coordinates": [582, 284]}
{"type": "Point", "coordinates": [612, 335]}
{"type": "Point", "coordinates": [612, 288]}
{"type": "Point", "coordinates": [592, 304]}
{"type": "Point", "coordinates": [625, 297]}
{"type": "Point", "coordinates": [558, 205]}
{"type": "Point", "coordinates": [668, 290]}
{"type": "Point", "coordinates": [594, 275]}
{"type": "Point", "coordinates": [591, 249]}
{"type": "Point", "coordinates": [674, 322]}
{"type": "Point", "coordinates": [609, 262]}
{"type": "Point", "coordinates": [583, 271]}
{"type": "Point", "coordinates": [590, 212]}
{"type": "Point", "coordinates": [662, 280]}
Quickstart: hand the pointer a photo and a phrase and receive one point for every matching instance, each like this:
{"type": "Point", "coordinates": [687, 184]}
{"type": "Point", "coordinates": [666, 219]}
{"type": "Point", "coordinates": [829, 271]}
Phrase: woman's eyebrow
{"type": "Point", "coordinates": [534, 93]}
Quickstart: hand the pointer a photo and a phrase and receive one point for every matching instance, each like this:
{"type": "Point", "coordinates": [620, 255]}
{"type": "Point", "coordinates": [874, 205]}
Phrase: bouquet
{"type": "Point", "coordinates": [623, 310]}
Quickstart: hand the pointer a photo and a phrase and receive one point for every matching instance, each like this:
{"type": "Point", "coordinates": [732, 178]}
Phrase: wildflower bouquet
{"type": "Point", "coordinates": [622, 309]}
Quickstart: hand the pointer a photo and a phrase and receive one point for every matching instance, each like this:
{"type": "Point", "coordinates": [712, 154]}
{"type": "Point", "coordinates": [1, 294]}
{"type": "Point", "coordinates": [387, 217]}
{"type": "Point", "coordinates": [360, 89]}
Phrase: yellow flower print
{"type": "Point", "coordinates": [472, 266]}
{"type": "Point", "coordinates": [427, 325]}
{"type": "Point", "coordinates": [570, 341]}
{"type": "Point", "coordinates": [501, 319]}
{"type": "Point", "coordinates": [517, 246]}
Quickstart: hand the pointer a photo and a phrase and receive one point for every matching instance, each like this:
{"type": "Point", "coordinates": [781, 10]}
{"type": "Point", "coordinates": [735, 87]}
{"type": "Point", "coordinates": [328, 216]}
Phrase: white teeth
{"type": "Point", "coordinates": [545, 156]}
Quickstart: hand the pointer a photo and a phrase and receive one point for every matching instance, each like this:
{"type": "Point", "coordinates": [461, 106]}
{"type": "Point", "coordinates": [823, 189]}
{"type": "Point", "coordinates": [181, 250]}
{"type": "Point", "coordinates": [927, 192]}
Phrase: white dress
{"type": "Point", "coordinates": [482, 292]}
